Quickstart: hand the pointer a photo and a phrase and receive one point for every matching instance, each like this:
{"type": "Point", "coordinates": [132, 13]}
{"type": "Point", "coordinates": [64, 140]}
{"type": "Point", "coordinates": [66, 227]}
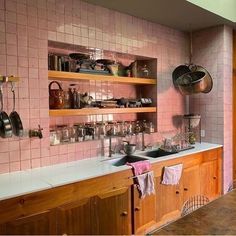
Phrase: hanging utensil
{"type": "Point", "coordinates": [17, 126]}
{"type": "Point", "coordinates": [191, 78]}
{"type": "Point", "coordinates": [5, 123]}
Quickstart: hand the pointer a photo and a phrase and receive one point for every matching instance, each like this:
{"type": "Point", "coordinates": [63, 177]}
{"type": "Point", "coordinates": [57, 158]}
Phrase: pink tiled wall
{"type": "Point", "coordinates": [25, 28]}
{"type": "Point", "coordinates": [213, 49]}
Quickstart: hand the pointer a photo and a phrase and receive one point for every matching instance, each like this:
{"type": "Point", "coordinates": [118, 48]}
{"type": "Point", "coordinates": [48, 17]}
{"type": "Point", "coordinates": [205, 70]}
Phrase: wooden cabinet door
{"type": "Point", "coordinates": [191, 182]}
{"type": "Point", "coordinates": [113, 212]}
{"type": "Point", "coordinates": [168, 201]}
{"type": "Point", "coordinates": [75, 218]}
{"type": "Point", "coordinates": [209, 179]}
{"type": "Point", "coordinates": [43, 223]}
{"type": "Point", "coordinates": [144, 212]}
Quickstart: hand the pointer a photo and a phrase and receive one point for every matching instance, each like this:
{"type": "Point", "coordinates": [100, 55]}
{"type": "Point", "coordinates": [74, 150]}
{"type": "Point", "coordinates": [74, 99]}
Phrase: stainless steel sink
{"type": "Point", "coordinates": [123, 160]}
{"type": "Point", "coordinates": [158, 153]}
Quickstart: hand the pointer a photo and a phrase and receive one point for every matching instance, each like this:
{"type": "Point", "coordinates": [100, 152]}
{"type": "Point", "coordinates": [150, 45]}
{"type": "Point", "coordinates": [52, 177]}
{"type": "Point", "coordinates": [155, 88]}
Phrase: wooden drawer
{"type": "Point", "coordinates": [210, 155]}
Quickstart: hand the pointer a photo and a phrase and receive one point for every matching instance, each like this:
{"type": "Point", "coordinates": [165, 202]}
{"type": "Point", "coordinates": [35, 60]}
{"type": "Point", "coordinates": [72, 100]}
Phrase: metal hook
{"type": "Point", "coordinates": [14, 95]}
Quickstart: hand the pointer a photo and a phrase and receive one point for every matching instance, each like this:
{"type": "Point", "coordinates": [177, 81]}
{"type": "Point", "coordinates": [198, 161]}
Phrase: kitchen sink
{"type": "Point", "coordinates": [123, 160]}
{"type": "Point", "coordinates": [158, 153]}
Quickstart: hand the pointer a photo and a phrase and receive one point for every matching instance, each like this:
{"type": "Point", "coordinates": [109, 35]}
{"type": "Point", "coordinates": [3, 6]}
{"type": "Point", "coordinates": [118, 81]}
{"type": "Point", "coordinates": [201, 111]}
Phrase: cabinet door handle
{"type": "Point", "coordinates": [137, 208]}
{"type": "Point", "coordinates": [177, 192]}
{"type": "Point", "coordinates": [124, 213]}
{"type": "Point", "coordinates": [185, 189]}
{"type": "Point", "coordinates": [214, 177]}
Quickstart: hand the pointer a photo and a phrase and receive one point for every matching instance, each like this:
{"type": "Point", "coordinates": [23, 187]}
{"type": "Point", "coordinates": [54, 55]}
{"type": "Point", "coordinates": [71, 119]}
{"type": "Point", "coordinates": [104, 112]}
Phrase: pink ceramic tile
{"type": "Point", "coordinates": [14, 156]}
{"type": "Point", "coordinates": [25, 165]}
{"type": "Point", "coordinates": [35, 153]}
{"type": "Point", "coordinates": [24, 155]}
{"type": "Point", "coordinates": [4, 157]}
{"type": "Point", "coordinates": [4, 168]}
{"type": "Point", "coordinates": [35, 163]}
{"type": "Point", "coordinates": [15, 166]}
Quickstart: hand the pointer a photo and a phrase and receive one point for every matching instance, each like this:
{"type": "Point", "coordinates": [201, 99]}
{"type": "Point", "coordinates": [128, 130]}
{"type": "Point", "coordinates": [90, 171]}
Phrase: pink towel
{"type": "Point", "coordinates": [140, 167]}
{"type": "Point", "coordinates": [144, 178]}
{"type": "Point", "coordinates": [172, 174]}
{"type": "Point", "coordinates": [145, 184]}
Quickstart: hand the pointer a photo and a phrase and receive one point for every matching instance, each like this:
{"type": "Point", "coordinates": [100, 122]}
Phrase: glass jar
{"type": "Point", "coordinates": [64, 133]}
{"type": "Point", "coordinates": [80, 132]}
{"type": "Point", "coordinates": [54, 137]}
{"type": "Point", "coordinates": [73, 134]}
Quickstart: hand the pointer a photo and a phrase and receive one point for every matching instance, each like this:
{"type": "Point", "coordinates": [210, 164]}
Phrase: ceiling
{"type": "Point", "coordinates": [178, 14]}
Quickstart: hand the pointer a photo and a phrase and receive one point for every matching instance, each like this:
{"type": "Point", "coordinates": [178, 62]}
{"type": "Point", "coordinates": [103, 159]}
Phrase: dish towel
{"type": "Point", "coordinates": [172, 174]}
{"type": "Point", "coordinates": [145, 184]}
{"type": "Point", "coordinates": [144, 178]}
{"type": "Point", "coordinates": [140, 167]}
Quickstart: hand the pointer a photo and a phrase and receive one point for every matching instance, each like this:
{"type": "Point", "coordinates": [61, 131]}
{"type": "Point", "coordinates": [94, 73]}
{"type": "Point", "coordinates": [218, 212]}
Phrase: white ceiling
{"type": "Point", "coordinates": [178, 14]}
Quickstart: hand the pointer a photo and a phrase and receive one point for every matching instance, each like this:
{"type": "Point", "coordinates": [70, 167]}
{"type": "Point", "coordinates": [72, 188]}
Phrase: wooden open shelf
{"type": "Point", "coordinates": [100, 111]}
{"type": "Point", "coordinates": [72, 76]}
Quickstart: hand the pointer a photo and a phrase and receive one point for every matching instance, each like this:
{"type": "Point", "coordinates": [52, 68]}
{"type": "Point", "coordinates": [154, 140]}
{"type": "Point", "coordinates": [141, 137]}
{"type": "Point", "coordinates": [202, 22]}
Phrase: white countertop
{"type": "Point", "coordinates": [23, 182]}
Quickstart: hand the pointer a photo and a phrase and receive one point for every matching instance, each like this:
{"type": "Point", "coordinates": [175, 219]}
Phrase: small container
{"type": "Point", "coordinates": [54, 137]}
{"type": "Point", "coordinates": [64, 133]}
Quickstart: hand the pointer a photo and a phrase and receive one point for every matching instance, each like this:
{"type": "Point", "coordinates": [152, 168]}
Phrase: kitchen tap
{"type": "Point", "coordinates": [110, 148]}
{"type": "Point", "coordinates": [143, 142]}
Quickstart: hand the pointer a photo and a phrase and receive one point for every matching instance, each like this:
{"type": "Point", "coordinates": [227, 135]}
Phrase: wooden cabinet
{"type": "Point", "coordinates": [38, 224]}
{"type": "Point", "coordinates": [106, 213]}
{"type": "Point", "coordinates": [144, 212]}
{"type": "Point", "coordinates": [210, 174]}
{"type": "Point", "coordinates": [75, 218]}
{"type": "Point", "coordinates": [101, 206]}
{"type": "Point", "coordinates": [191, 183]}
{"type": "Point", "coordinates": [112, 211]}
{"type": "Point", "coordinates": [168, 201]}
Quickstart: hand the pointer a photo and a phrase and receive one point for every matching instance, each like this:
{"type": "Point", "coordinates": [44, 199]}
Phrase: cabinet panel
{"type": "Point", "coordinates": [113, 212]}
{"type": "Point", "coordinates": [144, 212]}
{"type": "Point", "coordinates": [191, 182]}
{"type": "Point", "coordinates": [43, 223]}
{"type": "Point", "coordinates": [209, 179]}
{"type": "Point", "coordinates": [75, 218]}
{"type": "Point", "coordinates": [168, 201]}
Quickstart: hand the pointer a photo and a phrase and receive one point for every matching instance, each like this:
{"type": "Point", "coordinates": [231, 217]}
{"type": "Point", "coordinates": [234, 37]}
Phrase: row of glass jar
{"type": "Point", "coordinates": [92, 131]}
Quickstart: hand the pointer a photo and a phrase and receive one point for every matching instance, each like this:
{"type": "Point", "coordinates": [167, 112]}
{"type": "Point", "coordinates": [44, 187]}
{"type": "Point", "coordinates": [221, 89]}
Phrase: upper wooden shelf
{"type": "Point", "coordinates": [100, 111]}
{"type": "Point", "coordinates": [71, 76]}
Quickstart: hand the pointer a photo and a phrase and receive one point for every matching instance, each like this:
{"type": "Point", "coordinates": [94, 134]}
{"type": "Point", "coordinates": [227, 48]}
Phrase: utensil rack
{"type": "Point", "coordinates": [11, 78]}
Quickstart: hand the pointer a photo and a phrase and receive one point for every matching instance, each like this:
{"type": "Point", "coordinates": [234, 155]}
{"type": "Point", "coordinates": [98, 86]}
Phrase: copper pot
{"type": "Point", "coordinates": [196, 81]}
{"type": "Point", "coordinates": [56, 96]}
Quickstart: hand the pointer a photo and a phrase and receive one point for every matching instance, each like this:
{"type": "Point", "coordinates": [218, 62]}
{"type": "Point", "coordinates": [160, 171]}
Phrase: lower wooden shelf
{"type": "Point", "coordinates": [100, 111]}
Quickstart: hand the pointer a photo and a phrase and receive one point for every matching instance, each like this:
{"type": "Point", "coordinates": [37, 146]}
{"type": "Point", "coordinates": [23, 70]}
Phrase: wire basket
{"type": "Point", "coordinates": [193, 204]}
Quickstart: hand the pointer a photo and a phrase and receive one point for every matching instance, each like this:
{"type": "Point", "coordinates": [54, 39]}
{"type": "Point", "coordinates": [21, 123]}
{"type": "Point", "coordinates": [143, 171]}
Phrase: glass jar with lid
{"type": "Point", "coordinates": [64, 133]}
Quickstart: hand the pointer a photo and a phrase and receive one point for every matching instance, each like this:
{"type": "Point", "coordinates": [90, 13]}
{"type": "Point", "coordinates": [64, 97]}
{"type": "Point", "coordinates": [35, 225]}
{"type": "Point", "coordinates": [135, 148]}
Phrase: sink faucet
{"type": "Point", "coordinates": [143, 142]}
{"type": "Point", "coordinates": [110, 148]}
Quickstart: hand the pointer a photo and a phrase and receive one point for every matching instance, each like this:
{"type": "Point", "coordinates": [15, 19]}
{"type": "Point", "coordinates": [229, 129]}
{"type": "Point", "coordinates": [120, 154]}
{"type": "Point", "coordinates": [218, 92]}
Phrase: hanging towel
{"type": "Point", "coordinates": [140, 167]}
{"type": "Point", "coordinates": [145, 184]}
{"type": "Point", "coordinates": [144, 178]}
{"type": "Point", "coordinates": [172, 174]}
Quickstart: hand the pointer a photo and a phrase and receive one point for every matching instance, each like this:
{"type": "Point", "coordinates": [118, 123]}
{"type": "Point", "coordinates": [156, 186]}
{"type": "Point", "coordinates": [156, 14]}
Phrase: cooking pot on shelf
{"type": "Point", "coordinates": [56, 96]}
